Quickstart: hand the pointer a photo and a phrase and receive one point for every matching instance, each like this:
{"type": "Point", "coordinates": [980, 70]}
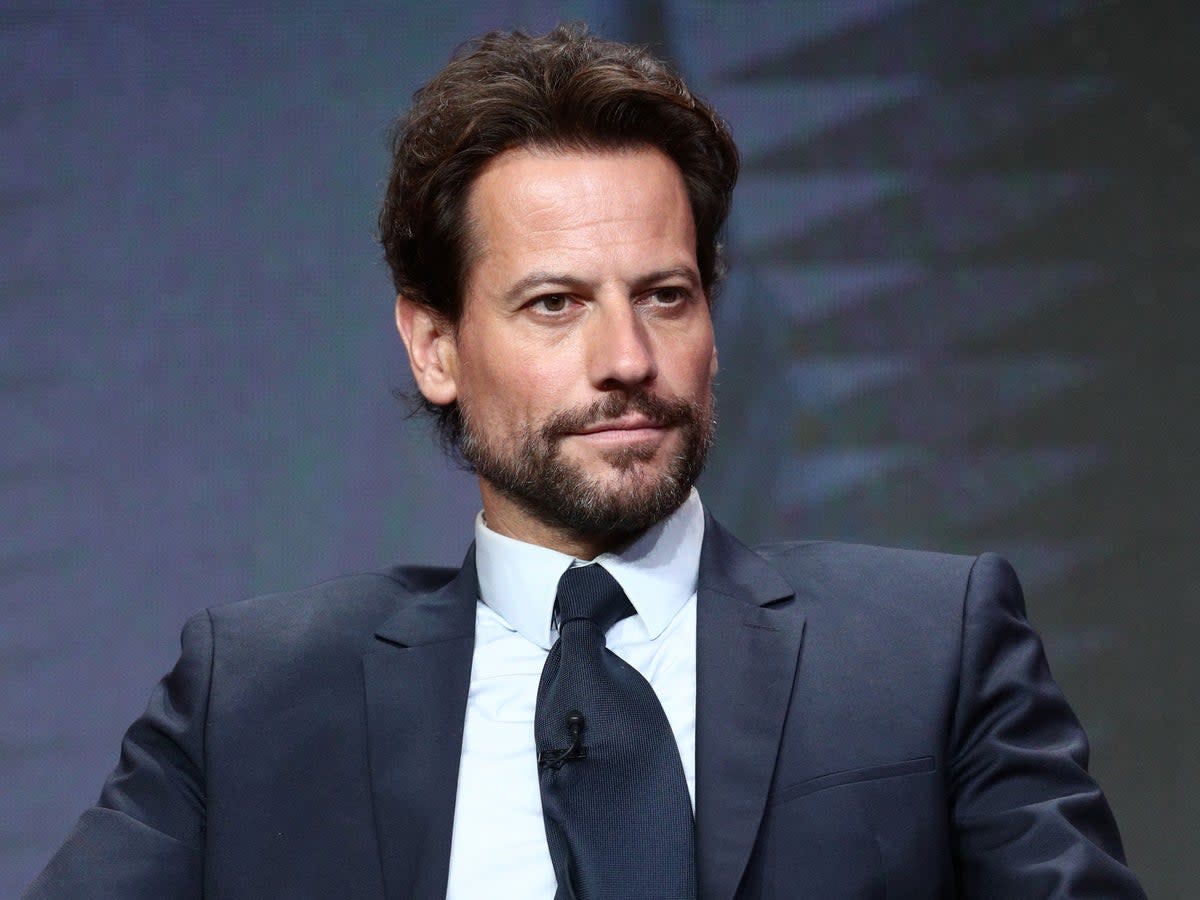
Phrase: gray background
{"type": "Point", "coordinates": [961, 317]}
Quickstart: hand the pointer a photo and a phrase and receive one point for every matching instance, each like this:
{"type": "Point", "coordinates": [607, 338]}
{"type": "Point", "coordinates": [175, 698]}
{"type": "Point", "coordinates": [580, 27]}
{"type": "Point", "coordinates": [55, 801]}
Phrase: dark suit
{"type": "Point", "coordinates": [870, 723]}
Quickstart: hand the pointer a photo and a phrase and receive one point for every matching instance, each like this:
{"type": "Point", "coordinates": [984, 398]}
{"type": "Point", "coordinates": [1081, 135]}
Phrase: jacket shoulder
{"type": "Point", "coordinates": [345, 608]}
{"type": "Point", "coordinates": [888, 581]}
{"type": "Point", "coordinates": [864, 560]}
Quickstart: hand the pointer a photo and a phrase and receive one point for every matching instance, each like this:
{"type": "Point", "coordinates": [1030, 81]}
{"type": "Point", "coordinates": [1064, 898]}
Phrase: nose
{"type": "Point", "coordinates": [620, 354]}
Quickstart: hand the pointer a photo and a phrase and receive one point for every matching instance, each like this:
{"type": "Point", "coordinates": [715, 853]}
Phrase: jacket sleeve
{"type": "Point", "coordinates": [144, 838]}
{"type": "Point", "coordinates": [1028, 819]}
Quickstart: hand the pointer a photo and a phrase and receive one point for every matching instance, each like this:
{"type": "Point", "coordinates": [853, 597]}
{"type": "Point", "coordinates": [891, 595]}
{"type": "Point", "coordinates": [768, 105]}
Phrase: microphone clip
{"type": "Point", "coordinates": [554, 759]}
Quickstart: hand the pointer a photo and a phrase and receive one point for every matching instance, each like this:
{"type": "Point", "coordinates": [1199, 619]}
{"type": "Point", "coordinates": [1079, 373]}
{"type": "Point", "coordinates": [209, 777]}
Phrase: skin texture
{"type": "Point", "coordinates": [585, 332]}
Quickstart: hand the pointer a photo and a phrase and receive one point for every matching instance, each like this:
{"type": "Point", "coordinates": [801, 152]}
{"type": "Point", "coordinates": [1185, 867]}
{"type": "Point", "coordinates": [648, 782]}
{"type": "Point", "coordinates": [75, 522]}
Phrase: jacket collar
{"type": "Point", "coordinates": [416, 676]}
{"type": "Point", "coordinates": [748, 634]}
{"type": "Point", "coordinates": [439, 615]}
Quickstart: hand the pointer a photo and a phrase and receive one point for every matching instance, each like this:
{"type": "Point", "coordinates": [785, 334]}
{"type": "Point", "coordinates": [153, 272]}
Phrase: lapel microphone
{"type": "Point", "coordinates": [554, 759]}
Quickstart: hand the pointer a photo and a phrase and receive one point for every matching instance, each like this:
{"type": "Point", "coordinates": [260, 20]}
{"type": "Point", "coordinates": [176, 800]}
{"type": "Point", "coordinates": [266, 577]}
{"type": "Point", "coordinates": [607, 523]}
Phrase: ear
{"type": "Point", "coordinates": [712, 366]}
{"type": "Point", "coordinates": [432, 351]}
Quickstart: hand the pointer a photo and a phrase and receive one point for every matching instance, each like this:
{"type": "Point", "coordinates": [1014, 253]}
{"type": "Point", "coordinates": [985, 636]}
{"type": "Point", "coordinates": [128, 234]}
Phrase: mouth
{"type": "Point", "coordinates": [625, 430]}
{"type": "Point", "coordinates": [625, 423]}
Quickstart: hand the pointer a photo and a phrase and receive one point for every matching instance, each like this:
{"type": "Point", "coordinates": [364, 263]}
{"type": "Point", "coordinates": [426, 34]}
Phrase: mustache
{"type": "Point", "coordinates": [663, 412]}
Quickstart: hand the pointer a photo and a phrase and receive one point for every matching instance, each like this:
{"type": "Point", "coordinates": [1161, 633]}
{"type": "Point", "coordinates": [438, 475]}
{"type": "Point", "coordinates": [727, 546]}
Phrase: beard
{"type": "Point", "coordinates": [558, 492]}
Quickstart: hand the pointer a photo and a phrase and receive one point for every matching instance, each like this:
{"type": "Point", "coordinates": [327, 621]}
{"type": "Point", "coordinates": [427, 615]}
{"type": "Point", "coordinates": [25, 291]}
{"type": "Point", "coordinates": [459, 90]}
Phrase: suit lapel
{"type": "Point", "coordinates": [417, 675]}
{"type": "Point", "coordinates": [747, 648]}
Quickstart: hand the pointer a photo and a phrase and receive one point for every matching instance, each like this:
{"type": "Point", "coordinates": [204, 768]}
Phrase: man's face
{"type": "Point", "coordinates": [584, 358]}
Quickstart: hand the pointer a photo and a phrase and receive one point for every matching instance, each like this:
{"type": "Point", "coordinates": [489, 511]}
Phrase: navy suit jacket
{"type": "Point", "coordinates": [871, 723]}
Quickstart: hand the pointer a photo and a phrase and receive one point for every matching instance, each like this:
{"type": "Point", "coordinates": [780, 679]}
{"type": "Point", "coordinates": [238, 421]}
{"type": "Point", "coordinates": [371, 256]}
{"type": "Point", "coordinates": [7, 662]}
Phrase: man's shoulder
{"type": "Point", "coordinates": [346, 608]}
{"type": "Point", "coordinates": [861, 557]}
{"type": "Point", "coordinates": [850, 575]}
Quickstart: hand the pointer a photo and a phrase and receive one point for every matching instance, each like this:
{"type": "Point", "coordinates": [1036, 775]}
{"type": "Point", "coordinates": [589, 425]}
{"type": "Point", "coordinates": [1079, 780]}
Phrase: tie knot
{"type": "Point", "coordinates": [590, 592]}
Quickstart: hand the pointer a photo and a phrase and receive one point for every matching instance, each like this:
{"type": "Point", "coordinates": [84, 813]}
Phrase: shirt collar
{"type": "Point", "coordinates": [658, 573]}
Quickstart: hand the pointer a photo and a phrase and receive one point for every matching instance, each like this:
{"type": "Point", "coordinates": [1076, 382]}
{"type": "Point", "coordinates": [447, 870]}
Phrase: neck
{"type": "Point", "coordinates": [506, 517]}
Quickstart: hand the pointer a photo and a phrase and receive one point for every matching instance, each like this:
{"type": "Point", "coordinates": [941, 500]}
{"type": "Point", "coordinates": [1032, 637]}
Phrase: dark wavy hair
{"type": "Point", "coordinates": [565, 90]}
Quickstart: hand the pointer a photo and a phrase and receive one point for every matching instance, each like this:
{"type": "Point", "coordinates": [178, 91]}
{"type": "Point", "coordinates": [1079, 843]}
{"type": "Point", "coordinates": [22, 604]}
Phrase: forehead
{"type": "Point", "coordinates": [586, 208]}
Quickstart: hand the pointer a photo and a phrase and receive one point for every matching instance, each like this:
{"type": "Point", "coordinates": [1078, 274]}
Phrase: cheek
{"type": "Point", "coordinates": [511, 389]}
{"type": "Point", "coordinates": [697, 367]}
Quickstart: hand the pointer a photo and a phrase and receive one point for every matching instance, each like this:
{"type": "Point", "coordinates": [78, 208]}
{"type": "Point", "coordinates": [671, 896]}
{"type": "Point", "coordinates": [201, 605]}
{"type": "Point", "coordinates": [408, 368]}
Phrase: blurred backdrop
{"type": "Point", "coordinates": [961, 316]}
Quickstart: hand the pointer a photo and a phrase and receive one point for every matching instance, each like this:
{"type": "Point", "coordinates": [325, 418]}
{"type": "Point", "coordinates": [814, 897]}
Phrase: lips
{"type": "Point", "coordinates": [630, 423]}
{"type": "Point", "coordinates": [620, 417]}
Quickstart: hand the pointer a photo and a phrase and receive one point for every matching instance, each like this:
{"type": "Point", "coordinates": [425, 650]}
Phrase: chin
{"type": "Point", "coordinates": [641, 458]}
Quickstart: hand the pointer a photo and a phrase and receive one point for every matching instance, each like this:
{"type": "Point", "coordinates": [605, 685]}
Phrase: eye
{"type": "Point", "coordinates": [551, 303]}
{"type": "Point", "coordinates": [669, 296]}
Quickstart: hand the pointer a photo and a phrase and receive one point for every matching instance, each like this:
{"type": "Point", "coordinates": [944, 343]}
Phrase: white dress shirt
{"type": "Point", "coordinates": [499, 843]}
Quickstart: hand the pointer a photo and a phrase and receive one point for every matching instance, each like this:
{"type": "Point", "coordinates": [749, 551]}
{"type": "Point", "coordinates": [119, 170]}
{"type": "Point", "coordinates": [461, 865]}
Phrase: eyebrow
{"type": "Point", "coordinates": [540, 278]}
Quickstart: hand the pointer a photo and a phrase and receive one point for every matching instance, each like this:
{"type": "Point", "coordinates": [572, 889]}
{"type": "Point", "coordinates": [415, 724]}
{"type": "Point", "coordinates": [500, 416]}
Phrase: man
{"type": "Point", "coordinates": [844, 721]}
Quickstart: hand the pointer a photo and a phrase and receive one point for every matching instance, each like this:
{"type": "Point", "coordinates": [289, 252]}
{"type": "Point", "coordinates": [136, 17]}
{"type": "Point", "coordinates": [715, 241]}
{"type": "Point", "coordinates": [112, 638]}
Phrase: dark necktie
{"type": "Point", "coordinates": [614, 796]}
